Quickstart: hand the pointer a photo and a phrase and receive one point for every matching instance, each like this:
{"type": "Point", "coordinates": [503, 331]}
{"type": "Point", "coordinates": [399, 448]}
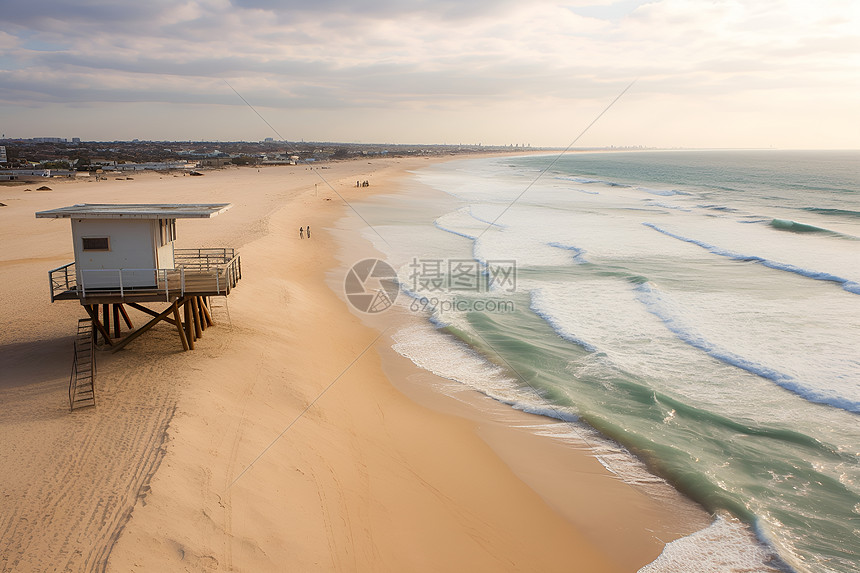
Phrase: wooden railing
{"type": "Point", "coordinates": [232, 272]}
{"type": "Point", "coordinates": [128, 281]}
{"type": "Point", "coordinates": [200, 259]}
{"type": "Point", "coordinates": [62, 279]}
{"type": "Point", "coordinates": [215, 271]}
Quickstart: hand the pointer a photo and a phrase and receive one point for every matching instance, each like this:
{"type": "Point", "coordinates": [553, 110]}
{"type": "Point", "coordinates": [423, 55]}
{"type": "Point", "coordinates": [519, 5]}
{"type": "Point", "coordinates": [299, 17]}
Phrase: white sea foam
{"type": "Point", "coordinates": [817, 256]}
{"type": "Point", "coordinates": [832, 378]}
{"type": "Point", "coordinates": [449, 358]}
{"type": "Point", "coordinates": [848, 284]}
{"type": "Point", "coordinates": [726, 546]}
{"type": "Point", "coordinates": [522, 243]}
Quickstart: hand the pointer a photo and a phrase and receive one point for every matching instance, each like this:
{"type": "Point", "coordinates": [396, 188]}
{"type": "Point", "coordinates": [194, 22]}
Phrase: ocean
{"type": "Point", "coordinates": [697, 311]}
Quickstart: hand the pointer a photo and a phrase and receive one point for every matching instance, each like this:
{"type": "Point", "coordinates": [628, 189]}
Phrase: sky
{"type": "Point", "coordinates": [707, 73]}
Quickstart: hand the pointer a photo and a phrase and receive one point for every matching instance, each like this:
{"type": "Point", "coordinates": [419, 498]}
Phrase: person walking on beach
{"type": "Point", "coordinates": [309, 231]}
{"type": "Point", "coordinates": [301, 232]}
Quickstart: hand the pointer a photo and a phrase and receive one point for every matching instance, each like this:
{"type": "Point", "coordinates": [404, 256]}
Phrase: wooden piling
{"type": "Point", "coordinates": [106, 320]}
{"type": "Point", "coordinates": [198, 330]}
{"type": "Point", "coordinates": [93, 311]}
{"type": "Point", "coordinates": [207, 314]}
{"type": "Point", "coordinates": [178, 323]}
{"type": "Point", "coordinates": [125, 316]}
{"type": "Point", "coordinates": [189, 329]}
{"type": "Point", "coordinates": [204, 324]}
{"type": "Point", "coordinates": [116, 326]}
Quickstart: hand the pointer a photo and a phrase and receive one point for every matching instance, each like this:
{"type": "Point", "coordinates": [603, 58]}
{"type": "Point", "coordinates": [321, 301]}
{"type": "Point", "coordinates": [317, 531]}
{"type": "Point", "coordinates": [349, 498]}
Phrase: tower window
{"type": "Point", "coordinates": [96, 243]}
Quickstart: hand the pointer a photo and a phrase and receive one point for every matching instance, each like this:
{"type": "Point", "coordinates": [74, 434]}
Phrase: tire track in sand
{"type": "Point", "coordinates": [226, 499]}
{"type": "Point", "coordinates": [64, 503]}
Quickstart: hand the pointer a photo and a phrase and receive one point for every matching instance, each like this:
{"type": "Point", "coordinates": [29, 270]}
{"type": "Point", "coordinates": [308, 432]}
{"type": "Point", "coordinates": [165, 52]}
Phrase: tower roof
{"type": "Point", "coordinates": [136, 211]}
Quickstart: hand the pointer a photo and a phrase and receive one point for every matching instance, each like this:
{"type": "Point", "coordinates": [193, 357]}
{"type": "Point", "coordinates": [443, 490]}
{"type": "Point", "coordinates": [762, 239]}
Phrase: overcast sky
{"type": "Point", "coordinates": [710, 73]}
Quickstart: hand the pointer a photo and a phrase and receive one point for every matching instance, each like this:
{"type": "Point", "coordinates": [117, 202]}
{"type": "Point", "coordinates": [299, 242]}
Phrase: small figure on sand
{"type": "Point", "coordinates": [309, 231]}
{"type": "Point", "coordinates": [301, 232]}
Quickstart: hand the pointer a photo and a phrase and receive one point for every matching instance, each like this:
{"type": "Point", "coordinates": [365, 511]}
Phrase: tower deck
{"type": "Point", "coordinates": [197, 272]}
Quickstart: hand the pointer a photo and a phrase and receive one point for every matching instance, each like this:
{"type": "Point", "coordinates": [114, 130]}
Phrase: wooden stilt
{"type": "Point", "coordinates": [189, 328]}
{"type": "Point", "coordinates": [207, 314]}
{"type": "Point", "coordinates": [202, 316]}
{"type": "Point", "coordinates": [116, 325]}
{"type": "Point", "coordinates": [198, 331]}
{"type": "Point", "coordinates": [143, 328]}
{"type": "Point", "coordinates": [106, 319]}
{"type": "Point", "coordinates": [195, 308]}
{"type": "Point", "coordinates": [125, 316]}
{"type": "Point", "coordinates": [178, 323]}
{"type": "Point", "coordinates": [93, 311]}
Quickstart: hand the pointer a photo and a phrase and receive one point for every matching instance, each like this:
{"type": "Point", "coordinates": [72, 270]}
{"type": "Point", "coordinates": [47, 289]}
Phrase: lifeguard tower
{"type": "Point", "coordinates": [125, 255]}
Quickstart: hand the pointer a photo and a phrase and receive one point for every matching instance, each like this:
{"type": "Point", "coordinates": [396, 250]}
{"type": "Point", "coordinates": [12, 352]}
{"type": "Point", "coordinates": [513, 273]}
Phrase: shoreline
{"type": "Point", "coordinates": [340, 488]}
{"type": "Point", "coordinates": [530, 444]}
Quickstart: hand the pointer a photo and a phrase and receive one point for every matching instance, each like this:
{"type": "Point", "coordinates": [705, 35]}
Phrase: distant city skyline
{"type": "Point", "coordinates": [709, 74]}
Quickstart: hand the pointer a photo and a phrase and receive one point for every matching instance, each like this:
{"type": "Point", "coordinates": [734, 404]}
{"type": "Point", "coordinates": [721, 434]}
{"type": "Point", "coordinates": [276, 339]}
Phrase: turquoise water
{"type": "Point", "coordinates": [702, 309]}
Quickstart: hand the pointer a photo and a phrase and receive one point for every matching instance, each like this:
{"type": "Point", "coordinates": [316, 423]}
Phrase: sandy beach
{"type": "Point", "coordinates": [292, 438]}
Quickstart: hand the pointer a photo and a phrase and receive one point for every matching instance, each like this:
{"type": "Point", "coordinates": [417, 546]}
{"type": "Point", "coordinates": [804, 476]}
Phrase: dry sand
{"type": "Point", "coordinates": [279, 443]}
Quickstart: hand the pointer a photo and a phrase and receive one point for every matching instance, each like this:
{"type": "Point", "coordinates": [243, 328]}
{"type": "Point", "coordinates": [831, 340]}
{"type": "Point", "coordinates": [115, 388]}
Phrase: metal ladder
{"type": "Point", "coordinates": [81, 383]}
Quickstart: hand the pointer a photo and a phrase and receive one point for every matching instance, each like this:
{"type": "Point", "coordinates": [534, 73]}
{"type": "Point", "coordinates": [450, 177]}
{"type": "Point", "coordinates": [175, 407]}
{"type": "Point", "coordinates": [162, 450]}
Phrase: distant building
{"type": "Point", "coordinates": [154, 165]}
{"type": "Point", "coordinates": [40, 172]}
{"type": "Point", "coordinates": [3, 154]}
{"type": "Point", "coordinates": [76, 140]}
{"type": "Point", "coordinates": [214, 162]}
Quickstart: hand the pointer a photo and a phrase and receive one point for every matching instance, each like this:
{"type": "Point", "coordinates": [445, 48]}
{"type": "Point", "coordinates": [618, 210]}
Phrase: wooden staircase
{"type": "Point", "coordinates": [81, 382]}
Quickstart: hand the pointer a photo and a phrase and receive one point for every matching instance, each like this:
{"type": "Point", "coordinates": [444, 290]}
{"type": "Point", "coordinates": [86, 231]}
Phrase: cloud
{"type": "Point", "coordinates": [440, 56]}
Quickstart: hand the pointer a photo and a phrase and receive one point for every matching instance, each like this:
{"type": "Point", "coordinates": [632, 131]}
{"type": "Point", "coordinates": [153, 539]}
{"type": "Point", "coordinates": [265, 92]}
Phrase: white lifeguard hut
{"type": "Point", "coordinates": [126, 255]}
